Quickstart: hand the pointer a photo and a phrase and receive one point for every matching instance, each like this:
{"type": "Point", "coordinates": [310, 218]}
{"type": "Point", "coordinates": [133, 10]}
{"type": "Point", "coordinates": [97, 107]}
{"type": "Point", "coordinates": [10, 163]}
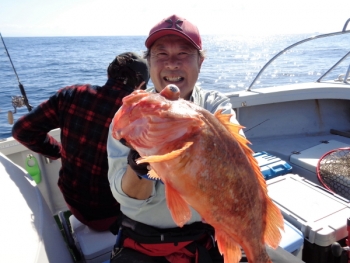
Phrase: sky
{"type": "Point", "coordinates": [19, 18]}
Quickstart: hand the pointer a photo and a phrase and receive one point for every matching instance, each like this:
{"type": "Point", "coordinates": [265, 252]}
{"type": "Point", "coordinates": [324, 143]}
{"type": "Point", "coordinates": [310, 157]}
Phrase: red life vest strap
{"type": "Point", "coordinates": [180, 252]}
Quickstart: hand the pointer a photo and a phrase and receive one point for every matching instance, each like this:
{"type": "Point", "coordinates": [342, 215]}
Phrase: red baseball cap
{"type": "Point", "coordinates": [175, 25]}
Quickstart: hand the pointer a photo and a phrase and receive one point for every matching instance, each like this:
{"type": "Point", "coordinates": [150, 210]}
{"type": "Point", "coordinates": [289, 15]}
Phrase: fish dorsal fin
{"type": "Point", "coordinates": [228, 247]}
{"type": "Point", "coordinates": [274, 220]}
{"type": "Point", "coordinates": [179, 209]}
{"type": "Point", "coordinates": [225, 120]}
{"type": "Point", "coordinates": [164, 157]}
{"type": "Point", "coordinates": [243, 142]}
{"type": "Point", "coordinates": [234, 129]}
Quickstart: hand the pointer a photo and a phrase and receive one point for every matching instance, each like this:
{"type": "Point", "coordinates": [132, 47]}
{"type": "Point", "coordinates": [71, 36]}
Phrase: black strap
{"type": "Point", "coordinates": [146, 234]}
{"type": "Point", "coordinates": [203, 254]}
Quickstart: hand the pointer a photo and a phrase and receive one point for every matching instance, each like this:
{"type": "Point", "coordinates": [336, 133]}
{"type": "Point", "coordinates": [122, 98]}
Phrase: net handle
{"type": "Point", "coordinates": [319, 163]}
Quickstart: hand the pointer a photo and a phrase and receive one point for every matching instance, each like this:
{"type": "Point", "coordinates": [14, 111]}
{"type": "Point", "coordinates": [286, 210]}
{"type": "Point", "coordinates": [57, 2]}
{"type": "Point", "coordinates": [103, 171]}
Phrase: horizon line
{"type": "Point", "coordinates": [208, 34]}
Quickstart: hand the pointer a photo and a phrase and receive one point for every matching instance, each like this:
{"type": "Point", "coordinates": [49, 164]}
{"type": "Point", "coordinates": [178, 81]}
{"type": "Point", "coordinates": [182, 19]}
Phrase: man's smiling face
{"type": "Point", "coordinates": [173, 60]}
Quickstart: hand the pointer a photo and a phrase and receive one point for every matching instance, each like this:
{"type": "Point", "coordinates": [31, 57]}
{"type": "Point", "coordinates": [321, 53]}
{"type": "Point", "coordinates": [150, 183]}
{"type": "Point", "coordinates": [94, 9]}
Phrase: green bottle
{"type": "Point", "coordinates": [32, 168]}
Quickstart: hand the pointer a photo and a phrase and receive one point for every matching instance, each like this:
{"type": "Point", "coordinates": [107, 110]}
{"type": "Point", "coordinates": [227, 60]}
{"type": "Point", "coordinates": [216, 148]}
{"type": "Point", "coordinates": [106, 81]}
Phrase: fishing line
{"type": "Point", "coordinates": [256, 125]}
{"type": "Point", "coordinates": [17, 101]}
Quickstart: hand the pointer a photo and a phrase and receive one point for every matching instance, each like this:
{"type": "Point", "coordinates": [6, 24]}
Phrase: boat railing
{"type": "Point", "coordinates": [344, 78]}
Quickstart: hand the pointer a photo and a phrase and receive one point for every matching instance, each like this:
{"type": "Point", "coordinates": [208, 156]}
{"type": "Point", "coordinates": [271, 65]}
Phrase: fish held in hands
{"type": "Point", "coordinates": [204, 163]}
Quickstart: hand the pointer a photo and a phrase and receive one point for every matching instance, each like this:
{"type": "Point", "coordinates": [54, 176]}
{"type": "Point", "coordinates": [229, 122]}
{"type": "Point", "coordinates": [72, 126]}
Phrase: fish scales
{"type": "Point", "coordinates": [203, 162]}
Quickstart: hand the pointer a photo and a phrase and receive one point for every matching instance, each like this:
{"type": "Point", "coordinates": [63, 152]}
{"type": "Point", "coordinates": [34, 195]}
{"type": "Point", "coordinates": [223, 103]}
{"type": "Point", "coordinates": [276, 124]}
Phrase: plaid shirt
{"type": "Point", "coordinates": [84, 113]}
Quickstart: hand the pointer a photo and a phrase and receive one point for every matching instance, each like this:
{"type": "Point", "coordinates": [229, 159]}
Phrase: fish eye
{"type": "Point", "coordinates": [173, 88]}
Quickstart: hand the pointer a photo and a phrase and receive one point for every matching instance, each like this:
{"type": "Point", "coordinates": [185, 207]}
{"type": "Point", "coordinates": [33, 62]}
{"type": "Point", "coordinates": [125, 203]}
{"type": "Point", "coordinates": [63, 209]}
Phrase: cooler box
{"type": "Point", "coordinates": [308, 158]}
{"type": "Point", "coordinates": [271, 166]}
{"type": "Point", "coordinates": [319, 214]}
{"type": "Point", "coordinates": [292, 239]}
{"type": "Point", "coordinates": [95, 247]}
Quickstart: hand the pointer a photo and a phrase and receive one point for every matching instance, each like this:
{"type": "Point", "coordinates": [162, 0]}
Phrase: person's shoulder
{"type": "Point", "coordinates": [80, 86]}
{"type": "Point", "coordinates": [65, 94]}
{"type": "Point", "coordinates": [209, 92]}
{"type": "Point", "coordinates": [211, 100]}
{"type": "Point", "coordinates": [77, 88]}
{"type": "Point", "coordinates": [208, 95]}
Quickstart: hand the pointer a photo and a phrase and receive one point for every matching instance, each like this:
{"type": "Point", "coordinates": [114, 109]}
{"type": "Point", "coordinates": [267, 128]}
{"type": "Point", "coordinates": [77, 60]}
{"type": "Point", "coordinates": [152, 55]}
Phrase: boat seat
{"type": "Point", "coordinates": [94, 246]}
{"type": "Point", "coordinates": [29, 232]}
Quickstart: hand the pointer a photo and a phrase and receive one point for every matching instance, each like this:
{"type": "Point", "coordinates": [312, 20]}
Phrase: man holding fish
{"type": "Point", "coordinates": [173, 217]}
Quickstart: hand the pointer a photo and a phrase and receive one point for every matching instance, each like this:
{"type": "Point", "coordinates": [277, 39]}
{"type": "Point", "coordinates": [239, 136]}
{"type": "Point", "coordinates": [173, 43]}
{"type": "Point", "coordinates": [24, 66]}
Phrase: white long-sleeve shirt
{"type": "Point", "coordinates": [153, 211]}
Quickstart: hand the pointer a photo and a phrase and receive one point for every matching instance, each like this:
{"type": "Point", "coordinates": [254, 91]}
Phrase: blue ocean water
{"type": "Point", "coordinates": [45, 64]}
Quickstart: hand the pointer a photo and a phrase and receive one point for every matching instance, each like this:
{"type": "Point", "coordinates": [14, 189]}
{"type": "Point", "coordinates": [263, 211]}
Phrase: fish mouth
{"type": "Point", "coordinates": [173, 79]}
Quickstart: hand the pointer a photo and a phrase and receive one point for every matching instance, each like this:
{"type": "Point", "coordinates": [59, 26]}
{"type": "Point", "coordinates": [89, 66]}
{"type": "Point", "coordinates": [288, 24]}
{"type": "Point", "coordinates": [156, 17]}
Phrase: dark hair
{"type": "Point", "coordinates": [119, 70]}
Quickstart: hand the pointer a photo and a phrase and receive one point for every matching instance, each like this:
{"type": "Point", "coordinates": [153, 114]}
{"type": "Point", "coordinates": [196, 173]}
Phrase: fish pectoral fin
{"type": "Point", "coordinates": [153, 175]}
{"type": "Point", "coordinates": [164, 157]}
{"type": "Point", "coordinates": [179, 209]}
{"type": "Point", "coordinates": [228, 247]}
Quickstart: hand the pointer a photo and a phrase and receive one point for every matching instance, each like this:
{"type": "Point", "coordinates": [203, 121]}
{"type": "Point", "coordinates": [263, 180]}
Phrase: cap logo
{"type": "Point", "coordinates": [178, 24]}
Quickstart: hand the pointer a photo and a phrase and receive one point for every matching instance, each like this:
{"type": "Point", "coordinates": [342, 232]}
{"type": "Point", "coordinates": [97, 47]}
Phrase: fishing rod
{"type": "Point", "coordinates": [17, 101]}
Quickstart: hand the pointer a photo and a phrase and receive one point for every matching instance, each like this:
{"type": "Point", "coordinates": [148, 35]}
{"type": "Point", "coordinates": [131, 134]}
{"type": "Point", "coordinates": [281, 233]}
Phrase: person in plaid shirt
{"type": "Point", "coordinates": [84, 113]}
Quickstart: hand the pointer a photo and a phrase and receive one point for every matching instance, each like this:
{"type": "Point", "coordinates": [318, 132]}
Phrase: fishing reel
{"type": "Point", "coordinates": [17, 102]}
{"type": "Point", "coordinates": [343, 253]}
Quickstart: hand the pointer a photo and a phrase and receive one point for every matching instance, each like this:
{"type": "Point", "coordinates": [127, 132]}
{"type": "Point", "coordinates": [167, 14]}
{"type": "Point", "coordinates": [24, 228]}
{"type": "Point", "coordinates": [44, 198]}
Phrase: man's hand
{"type": "Point", "coordinates": [140, 169]}
{"type": "Point", "coordinates": [131, 183]}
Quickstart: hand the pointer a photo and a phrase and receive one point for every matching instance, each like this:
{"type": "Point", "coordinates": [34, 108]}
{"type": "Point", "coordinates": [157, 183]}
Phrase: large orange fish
{"type": "Point", "coordinates": [204, 162]}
